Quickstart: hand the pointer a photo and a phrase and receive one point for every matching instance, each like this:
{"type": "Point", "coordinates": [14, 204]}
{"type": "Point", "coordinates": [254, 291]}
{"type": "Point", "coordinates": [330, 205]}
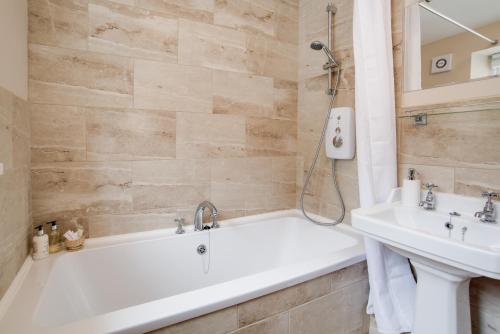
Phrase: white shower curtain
{"type": "Point", "coordinates": [413, 58]}
{"type": "Point", "coordinates": [392, 287]}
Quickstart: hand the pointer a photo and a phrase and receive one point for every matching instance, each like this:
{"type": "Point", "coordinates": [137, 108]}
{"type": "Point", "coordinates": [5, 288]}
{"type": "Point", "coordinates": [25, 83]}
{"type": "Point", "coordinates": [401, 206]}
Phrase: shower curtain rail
{"type": "Point", "coordinates": [449, 19]}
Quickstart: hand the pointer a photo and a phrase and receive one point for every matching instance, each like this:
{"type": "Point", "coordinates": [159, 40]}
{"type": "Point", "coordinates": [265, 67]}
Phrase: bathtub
{"type": "Point", "coordinates": [139, 282]}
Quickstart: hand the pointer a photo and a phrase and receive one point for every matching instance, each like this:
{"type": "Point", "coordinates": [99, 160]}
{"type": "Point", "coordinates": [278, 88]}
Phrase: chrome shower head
{"type": "Point", "coordinates": [317, 45]}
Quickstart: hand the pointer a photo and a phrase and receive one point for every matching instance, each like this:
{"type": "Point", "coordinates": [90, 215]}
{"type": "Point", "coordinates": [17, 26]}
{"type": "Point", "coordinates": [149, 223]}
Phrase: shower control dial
{"type": "Point", "coordinates": [337, 141]}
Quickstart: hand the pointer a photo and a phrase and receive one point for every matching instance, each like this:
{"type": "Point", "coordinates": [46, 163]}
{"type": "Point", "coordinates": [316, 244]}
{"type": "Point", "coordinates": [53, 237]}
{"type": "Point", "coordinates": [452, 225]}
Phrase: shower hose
{"type": "Point", "coordinates": [315, 160]}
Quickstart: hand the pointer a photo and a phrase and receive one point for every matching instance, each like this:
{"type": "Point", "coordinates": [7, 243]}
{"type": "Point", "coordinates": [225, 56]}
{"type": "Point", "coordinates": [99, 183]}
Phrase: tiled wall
{"type": "Point", "coordinates": [459, 151]}
{"type": "Point", "coordinates": [313, 104]}
{"type": "Point", "coordinates": [144, 108]}
{"type": "Point", "coordinates": [334, 304]}
{"type": "Point", "coordinates": [15, 227]}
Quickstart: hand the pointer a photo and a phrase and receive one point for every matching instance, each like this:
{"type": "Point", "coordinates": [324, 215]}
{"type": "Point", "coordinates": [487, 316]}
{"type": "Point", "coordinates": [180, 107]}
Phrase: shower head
{"type": "Point", "coordinates": [317, 45]}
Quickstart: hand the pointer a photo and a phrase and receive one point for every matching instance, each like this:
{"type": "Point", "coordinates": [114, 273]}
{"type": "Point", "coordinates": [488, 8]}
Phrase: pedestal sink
{"type": "Point", "coordinates": [446, 255]}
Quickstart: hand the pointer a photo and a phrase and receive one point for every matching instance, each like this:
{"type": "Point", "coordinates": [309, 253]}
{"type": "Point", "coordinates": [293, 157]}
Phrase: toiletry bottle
{"type": "Point", "coordinates": [410, 193]}
{"type": "Point", "coordinates": [40, 244]}
{"type": "Point", "coordinates": [54, 238]}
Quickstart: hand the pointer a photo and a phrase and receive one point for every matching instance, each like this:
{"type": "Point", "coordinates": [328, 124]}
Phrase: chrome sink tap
{"type": "Point", "coordinates": [198, 216]}
{"type": "Point", "coordinates": [430, 199]}
{"type": "Point", "coordinates": [488, 215]}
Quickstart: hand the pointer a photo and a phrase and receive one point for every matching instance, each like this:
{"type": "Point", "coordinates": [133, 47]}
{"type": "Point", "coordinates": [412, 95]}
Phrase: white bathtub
{"type": "Point", "coordinates": [143, 281]}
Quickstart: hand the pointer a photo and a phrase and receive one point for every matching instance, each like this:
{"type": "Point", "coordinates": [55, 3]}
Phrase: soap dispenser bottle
{"type": "Point", "coordinates": [40, 244]}
{"type": "Point", "coordinates": [410, 196]}
{"type": "Point", "coordinates": [54, 238]}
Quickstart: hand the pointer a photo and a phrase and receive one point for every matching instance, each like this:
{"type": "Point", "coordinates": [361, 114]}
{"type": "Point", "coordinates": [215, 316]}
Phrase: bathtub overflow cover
{"type": "Point", "coordinates": [201, 249]}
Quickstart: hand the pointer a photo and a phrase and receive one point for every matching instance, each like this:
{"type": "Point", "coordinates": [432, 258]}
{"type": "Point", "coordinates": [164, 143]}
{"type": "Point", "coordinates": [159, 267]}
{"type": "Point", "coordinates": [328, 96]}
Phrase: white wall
{"type": "Point", "coordinates": [14, 46]}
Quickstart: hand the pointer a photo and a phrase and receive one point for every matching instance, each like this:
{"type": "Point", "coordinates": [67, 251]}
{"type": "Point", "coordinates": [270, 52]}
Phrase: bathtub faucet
{"type": "Point", "coordinates": [198, 216]}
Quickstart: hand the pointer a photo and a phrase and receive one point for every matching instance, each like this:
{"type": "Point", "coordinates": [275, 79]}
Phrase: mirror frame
{"type": "Point", "coordinates": [486, 88]}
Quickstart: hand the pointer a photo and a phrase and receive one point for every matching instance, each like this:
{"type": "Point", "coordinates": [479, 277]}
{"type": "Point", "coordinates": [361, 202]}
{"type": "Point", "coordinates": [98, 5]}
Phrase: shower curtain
{"type": "Point", "coordinates": [392, 287]}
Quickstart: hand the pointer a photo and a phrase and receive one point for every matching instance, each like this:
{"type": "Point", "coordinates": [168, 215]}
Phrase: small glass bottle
{"type": "Point", "coordinates": [40, 244]}
{"type": "Point", "coordinates": [54, 238]}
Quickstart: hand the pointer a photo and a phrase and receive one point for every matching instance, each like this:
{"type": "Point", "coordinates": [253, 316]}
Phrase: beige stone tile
{"type": "Point", "coordinates": [286, 23]}
{"type": "Point", "coordinates": [322, 315]}
{"type": "Point", "coordinates": [270, 137]}
{"type": "Point", "coordinates": [356, 320]}
{"type": "Point", "coordinates": [58, 133]}
{"type": "Point", "coordinates": [472, 182]}
{"type": "Point", "coordinates": [14, 247]}
{"type": "Point", "coordinates": [342, 311]}
{"type": "Point", "coordinates": [244, 183]}
{"type": "Point", "coordinates": [6, 105]}
{"type": "Point", "coordinates": [172, 87]}
{"type": "Point", "coordinates": [285, 99]}
{"type": "Point", "coordinates": [58, 22]}
{"type": "Point", "coordinates": [104, 225]}
{"type": "Point", "coordinates": [280, 301]}
{"type": "Point", "coordinates": [441, 176]}
{"type": "Point", "coordinates": [219, 322]}
{"type": "Point", "coordinates": [170, 184]}
{"type": "Point", "coordinates": [131, 31]}
{"type": "Point", "coordinates": [281, 60]}
{"type": "Point", "coordinates": [274, 325]}
{"type": "Point", "coordinates": [65, 190]}
{"type": "Point", "coordinates": [127, 134]}
{"type": "Point", "coordinates": [346, 58]}
{"type": "Point", "coordinates": [347, 180]}
{"type": "Point", "coordinates": [242, 170]}
{"type": "Point", "coordinates": [171, 172]}
{"type": "Point", "coordinates": [219, 48]}
{"type": "Point", "coordinates": [6, 149]}
{"type": "Point", "coordinates": [282, 201]}
{"type": "Point", "coordinates": [284, 169]}
{"type": "Point", "coordinates": [485, 305]}
{"type": "Point", "coordinates": [284, 182]}
{"type": "Point", "coordinates": [231, 196]}
{"type": "Point", "coordinates": [245, 15]}
{"type": "Point", "coordinates": [21, 117]}
{"type": "Point", "coordinates": [242, 94]}
{"type": "Point", "coordinates": [125, 2]}
{"type": "Point", "coordinates": [210, 135]}
{"type": "Point", "coordinates": [69, 77]}
{"type": "Point", "coordinates": [157, 198]}
{"type": "Point", "coordinates": [224, 214]}
{"type": "Point", "coordinates": [463, 140]}
{"type": "Point", "coordinates": [195, 10]}
{"type": "Point", "coordinates": [349, 275]}
{"type": "Point", "coordinates": [15, 227]}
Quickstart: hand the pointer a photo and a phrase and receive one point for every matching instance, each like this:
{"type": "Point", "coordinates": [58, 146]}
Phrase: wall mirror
{"type": "Point", "coordinates": [449, 42]}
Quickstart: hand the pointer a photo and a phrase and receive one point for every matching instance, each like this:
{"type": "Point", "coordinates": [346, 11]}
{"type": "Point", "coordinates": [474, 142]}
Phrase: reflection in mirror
{"type": "Point", "coordinates": [450, 41]}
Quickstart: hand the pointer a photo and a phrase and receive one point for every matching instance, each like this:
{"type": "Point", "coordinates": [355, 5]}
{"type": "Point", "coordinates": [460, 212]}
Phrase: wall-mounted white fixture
{"type": "Point", "coordinates": [446, 247]}
{"type": "Point", "coordinates": [442, 63]}
{"type": "Point", "coordinates": [340, 134]}
{"type": "Point", "coordinates": [1, 168]}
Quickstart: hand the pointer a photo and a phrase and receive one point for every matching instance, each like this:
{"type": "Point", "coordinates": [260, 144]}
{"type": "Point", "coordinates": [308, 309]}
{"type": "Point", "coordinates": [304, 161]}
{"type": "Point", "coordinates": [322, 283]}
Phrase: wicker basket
{"type": "Point", "coordinates": [74, 245]}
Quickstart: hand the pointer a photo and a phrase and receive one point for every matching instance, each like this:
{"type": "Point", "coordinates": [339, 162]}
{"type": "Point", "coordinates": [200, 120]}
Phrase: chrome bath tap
{"type": "Point", "coordinates": [430, 199]}
{"type": "Point", "coordinates": [488, 215]}
{"type": "Point", "coordinates": [198, 216]}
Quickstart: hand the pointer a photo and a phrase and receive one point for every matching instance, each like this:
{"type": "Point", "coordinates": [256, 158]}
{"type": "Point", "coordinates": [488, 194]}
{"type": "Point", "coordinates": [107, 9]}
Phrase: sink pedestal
{"type": "Point", "coordinates": [446, 249]}
{"type": "Point", "coordinates": [442, 301]}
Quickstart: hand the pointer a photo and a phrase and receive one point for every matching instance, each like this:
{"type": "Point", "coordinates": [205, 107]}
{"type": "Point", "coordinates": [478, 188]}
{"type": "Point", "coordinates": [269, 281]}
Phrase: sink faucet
{"type": "Point", "coordinates": [488, 214]}
{"type": "Point", "coordinates": [430, 199]}
{"type": "Point", "coordinates": [198, 216]}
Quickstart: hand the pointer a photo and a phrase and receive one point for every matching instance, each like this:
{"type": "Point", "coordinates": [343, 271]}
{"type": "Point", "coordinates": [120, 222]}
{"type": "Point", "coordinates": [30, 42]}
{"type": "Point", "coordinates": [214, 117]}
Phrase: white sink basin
{"type": "Point", "coordinates": [445, 259]}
